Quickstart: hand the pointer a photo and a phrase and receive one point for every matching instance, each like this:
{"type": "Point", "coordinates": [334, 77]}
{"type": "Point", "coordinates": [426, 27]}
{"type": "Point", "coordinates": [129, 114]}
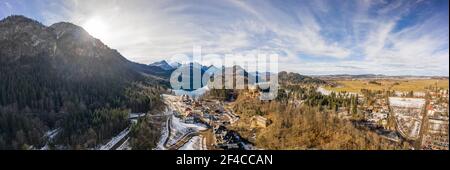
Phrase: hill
{"type": "Point", "coordinates": [295, 78]}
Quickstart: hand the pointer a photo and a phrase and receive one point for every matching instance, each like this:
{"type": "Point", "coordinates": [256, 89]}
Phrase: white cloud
{"type": "Point", "coordinates": [376, 40]}
{"type": "Point", "coordinates": [8, 5]}
{"type": "Point", "coordinates": [336, 37]}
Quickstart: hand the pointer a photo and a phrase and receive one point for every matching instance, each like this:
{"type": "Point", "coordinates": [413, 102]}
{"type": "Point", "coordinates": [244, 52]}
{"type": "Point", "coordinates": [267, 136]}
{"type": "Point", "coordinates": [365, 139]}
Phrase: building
{"type": "Point", "coordinates": [186, 99]}
{"type": "Point", "coordinates": [260, 121]}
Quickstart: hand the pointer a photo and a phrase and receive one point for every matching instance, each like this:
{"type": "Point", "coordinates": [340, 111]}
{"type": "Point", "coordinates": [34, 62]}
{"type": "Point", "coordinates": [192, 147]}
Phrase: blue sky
{"type": "Point", "coordinates": [311, 36]}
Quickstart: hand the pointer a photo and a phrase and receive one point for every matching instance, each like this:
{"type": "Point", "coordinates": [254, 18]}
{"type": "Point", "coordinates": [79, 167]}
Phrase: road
{"type": "Point", "coordinates": [185, 139]}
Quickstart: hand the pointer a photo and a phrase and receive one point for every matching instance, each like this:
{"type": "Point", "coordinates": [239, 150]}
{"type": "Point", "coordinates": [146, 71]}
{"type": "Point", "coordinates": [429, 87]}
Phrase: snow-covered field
{"type": "Point", "coordinates": [406, 102]}
{"type": "Point", "coordinates": [178, 125]}
{"type": "Point", "coordinates": [408, 115]}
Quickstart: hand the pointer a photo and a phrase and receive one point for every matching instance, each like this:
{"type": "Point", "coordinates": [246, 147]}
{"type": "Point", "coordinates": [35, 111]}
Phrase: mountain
{"type": "Point", "coordinates": [175, 65]}
{"type": "Point", "coordinates": [59, 76]}
{"type": "Point", "coordinates": [157, 73]}
{"type": "Point", "coordinates": [283, 77]}
{"type": "Point", "coordinates": [212, 68]}
{"type": "Point", "coordinates": [162, 64]}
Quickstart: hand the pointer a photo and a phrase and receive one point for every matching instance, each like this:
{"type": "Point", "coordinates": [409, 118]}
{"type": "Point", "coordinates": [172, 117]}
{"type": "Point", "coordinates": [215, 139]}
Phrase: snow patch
{"type": "Point", "coordinates": [323, 91]}
{"type": "Point", "coordinates": [195, 143]}
{"type": "Point", "coordinates": [406, 102]}
{"type": "Point", "coordinates": [115, 140]}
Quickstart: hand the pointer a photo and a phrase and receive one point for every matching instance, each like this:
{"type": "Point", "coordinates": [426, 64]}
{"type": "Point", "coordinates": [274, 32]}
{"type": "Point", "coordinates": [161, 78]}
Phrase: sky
{"type": "Point", "coordinates": [312, 37]}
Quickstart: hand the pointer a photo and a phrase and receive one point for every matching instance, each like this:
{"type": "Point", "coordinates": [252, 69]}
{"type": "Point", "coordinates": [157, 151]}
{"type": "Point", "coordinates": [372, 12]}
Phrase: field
{"type": "Point", "coordinates": [397, 85]}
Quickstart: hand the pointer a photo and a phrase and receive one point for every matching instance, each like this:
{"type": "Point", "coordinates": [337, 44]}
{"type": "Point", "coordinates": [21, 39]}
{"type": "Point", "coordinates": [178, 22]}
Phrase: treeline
{"type": "Point", "coordinates": [143, 97]}
{"type": "Point", "coordinates": [86, 129]}
{"type": "Point", "coordinates": [20, 130]}
{"type": "Point", "coordinates": [81, 127]}
{"type": "Point", "coordinates": [311, 97]}
{"type": "Point", "coordinates": [293, 94]}
{"type": "Point", "coordinates": [36, 99]}
{"type": "Point", "coordinates": [38, 88]}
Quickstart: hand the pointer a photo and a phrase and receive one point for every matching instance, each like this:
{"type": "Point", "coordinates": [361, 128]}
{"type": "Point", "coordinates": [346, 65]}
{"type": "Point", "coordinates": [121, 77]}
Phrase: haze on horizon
{"type": "Point", "coordinates": [317, 37]}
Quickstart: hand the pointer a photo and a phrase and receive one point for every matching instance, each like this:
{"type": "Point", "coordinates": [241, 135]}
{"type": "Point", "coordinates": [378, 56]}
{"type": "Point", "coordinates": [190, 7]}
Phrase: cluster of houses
{"type": "Point", "coordinates": [226, 139]}
{"type": "Point", "coordinates": [195, 111]}
{"type": "Point", "coordinates": [230, 140]}
{"type": "Point", "coordinates": [409, 117]}
{"type": "Point", "coordinates": [378, 113]}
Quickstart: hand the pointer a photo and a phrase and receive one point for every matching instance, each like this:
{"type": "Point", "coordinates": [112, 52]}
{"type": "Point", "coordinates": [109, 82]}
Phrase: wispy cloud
{"type": "Point", "coordinates": [312, 37]}
{"type": "Point", "coordinates": [8, 5]}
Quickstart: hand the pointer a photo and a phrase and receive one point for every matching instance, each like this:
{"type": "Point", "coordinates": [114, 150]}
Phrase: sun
{"type": "Point", "coordinates": [96, 27]}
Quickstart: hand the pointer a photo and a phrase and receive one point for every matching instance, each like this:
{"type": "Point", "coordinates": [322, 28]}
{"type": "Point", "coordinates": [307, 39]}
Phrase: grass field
{"type": "Point", "coordinates": [397, 85]}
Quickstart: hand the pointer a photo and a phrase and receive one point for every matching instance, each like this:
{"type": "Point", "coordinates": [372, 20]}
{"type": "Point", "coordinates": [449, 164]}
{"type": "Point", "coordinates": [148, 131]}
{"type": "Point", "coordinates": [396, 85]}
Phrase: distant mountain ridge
{"type": "Point", "coordinates": [375, 76]}
{"type": "Point", "coordinates": [162, 64]}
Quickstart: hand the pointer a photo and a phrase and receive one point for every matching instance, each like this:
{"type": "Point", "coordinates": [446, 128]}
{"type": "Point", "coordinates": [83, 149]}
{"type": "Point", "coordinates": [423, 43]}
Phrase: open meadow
{"type": "Point", "coordinates": [397, 85]}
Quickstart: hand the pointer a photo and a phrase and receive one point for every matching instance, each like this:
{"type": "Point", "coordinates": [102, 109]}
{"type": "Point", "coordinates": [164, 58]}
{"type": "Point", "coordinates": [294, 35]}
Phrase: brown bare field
{"type": "Point", "coordinates": [397, 85]}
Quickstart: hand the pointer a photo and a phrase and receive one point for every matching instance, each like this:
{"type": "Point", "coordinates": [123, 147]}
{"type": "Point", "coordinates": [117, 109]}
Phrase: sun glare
{"type": "Point", "coordinates": [96, 27]}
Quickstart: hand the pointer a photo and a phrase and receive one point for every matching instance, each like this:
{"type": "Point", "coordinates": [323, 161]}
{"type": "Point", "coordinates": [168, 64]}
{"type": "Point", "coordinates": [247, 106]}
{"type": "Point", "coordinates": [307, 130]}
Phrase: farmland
{"type": "Point", "coordinates": [388, 84]}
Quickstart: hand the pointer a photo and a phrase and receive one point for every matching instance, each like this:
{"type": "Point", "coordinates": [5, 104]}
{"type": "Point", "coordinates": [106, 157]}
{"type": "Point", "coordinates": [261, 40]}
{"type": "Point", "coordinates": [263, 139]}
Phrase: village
{"type": "Point", "coordinates": [199, 125]}
{"type": "Point", "coordinates": [194, 123]}
{"type": "Point", "coordinates": [437, 121]}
